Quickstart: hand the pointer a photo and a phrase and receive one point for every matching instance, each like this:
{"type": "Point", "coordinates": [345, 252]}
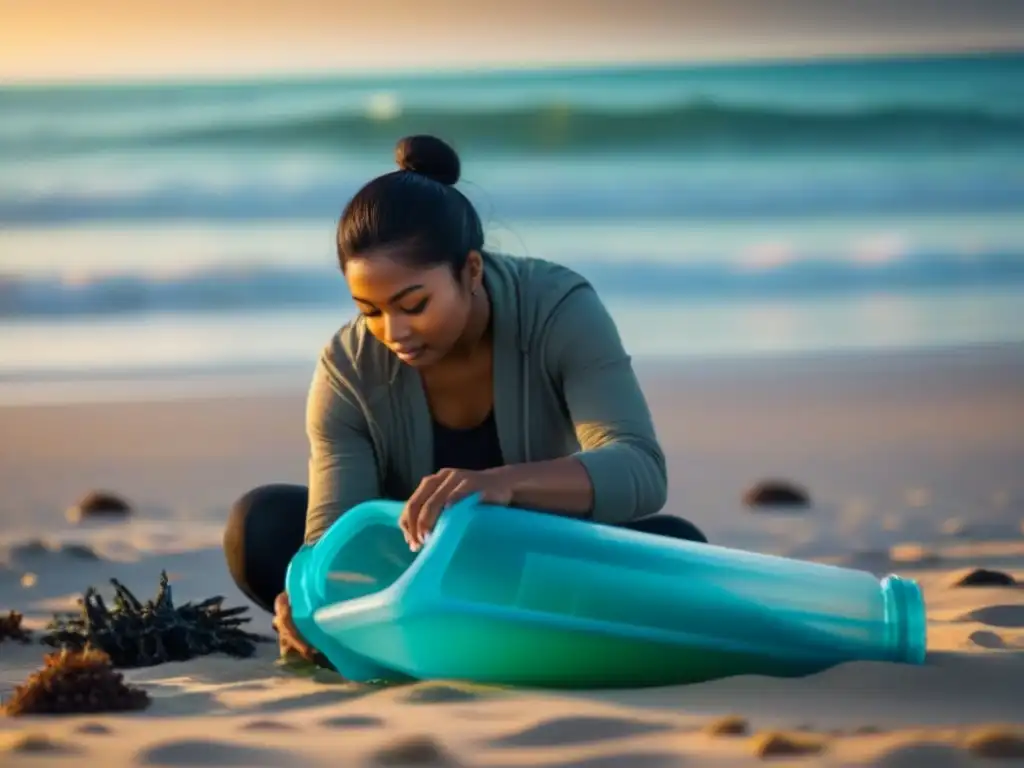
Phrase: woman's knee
{"type": "Point", "coordinates": [671, 526]}
{"type": "Point", "coordinates": [265, 528]}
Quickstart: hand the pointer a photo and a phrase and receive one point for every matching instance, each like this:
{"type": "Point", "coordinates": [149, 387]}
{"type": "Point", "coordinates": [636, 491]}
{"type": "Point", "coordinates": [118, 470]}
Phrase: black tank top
{"type": "Point", "coordinates": [476, 448]}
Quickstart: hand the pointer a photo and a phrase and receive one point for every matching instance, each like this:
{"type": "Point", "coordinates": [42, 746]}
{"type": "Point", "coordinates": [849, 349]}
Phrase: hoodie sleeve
{"type": "Point", "coordinates": [618, 445]}
{"type": "Point", "coordinates": [342, 463]}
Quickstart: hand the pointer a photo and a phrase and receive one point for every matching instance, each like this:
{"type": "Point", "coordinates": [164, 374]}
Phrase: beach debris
{"type": "Point", "coordinates": [99, 504]}
{"type": "Point", "coordinates": [75, 682]}
{"type": "Point", "coordinates": [731, 725]}
{"type": "Point", "coordinates": [778, 744]}
{"type": "Point", "coordinates": [11, 629]}
{"type": "Point", "coordinates": [137, 634]}
{"type": "Point", "coordinates": [983, 577]}
{"type": "Point", "coordinates": [996, 742]}
{"type": "Point", "coordinates": [776, 493]}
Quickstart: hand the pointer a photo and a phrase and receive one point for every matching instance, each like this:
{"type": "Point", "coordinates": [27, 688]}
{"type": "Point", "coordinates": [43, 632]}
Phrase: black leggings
{"type": "Point", "coordinates": [267, 526]}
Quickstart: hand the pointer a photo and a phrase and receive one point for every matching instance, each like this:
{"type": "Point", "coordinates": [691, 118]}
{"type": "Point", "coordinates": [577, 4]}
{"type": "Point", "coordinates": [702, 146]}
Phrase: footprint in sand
{"type": "Point", "coordinates": [267, 726]}
{"type": "Point", "coordinates": [413, 751]}
{"type": "Point", "coordinates": [922, 754]}
{"type": "Point", "coordinates": [1005, 616]}
{"type": "Point", "coordinates": [34, 744]}
{"type": "Point", "coordinates": [93, 729]}
{"type": "Point", "coordinates": [352, 721]}
{"type": "Point", "coordinates": [578, 730]}
{"type": "Point", "coordinates": [434, 693]}
{"type": "Point", "coordinates": [620, 759]}
{"type": "Point", "coordinates": [203, 752]}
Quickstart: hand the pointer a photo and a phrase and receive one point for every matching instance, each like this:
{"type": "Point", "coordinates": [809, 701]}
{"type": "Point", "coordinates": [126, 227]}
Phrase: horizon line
{"type": "Point", "coordinates": [509, 68]}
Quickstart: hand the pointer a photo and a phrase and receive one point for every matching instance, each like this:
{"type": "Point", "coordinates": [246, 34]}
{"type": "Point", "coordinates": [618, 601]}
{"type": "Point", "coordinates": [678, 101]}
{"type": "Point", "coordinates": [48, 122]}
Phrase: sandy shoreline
{"type": "Point", "coordinates": [913, 462]}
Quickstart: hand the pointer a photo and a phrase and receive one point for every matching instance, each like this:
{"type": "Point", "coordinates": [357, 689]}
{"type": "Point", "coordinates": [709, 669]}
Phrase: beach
{"type": "Point", "coordinates": [912, 459]}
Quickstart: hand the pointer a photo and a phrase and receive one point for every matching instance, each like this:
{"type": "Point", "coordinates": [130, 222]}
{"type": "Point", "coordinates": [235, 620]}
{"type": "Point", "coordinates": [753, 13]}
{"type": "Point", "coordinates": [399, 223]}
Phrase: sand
{"type": "Point", "coordinates": [913, 461]}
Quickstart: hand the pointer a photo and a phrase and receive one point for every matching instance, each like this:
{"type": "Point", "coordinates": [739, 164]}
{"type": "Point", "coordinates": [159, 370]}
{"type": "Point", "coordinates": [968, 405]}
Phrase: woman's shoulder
{"type": "Point", "coordinates": [355, 360]}
{"type": "Point", "coordinates": [545, 294]}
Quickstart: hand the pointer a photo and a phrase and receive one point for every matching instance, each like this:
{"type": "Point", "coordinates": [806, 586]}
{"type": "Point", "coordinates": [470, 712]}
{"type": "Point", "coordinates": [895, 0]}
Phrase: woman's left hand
{"type": "Point", "coordinates": [444, 488]}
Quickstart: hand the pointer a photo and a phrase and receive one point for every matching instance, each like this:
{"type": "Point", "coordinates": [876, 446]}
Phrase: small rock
{"type": "Point", "coordinates": [983, 577]}
{"type": "Point", "coordinates": [776, 493]}
{"type": "Point", "coordinates": [775, 744]}
{"type": "Point", "coordinates": [100, 504]}
{"type": "Point", "coordinates": [731, 725]}
{"type": "Point", "coordinates": [996, 742]}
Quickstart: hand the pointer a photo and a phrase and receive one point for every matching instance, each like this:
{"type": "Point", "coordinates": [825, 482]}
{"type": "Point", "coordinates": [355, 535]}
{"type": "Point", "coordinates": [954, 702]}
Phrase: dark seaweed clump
{"type": "Point", "coordinates": [136, 634]}
{"type": "Point", "coordinates": [73, 682]}
{"type": "Point", "coordinates": [11, 629]}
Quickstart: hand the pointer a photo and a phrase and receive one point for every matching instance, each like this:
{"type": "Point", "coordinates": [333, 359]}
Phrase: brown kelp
{"type": "Point", "coordinates": [137, 634]}
{"type": "Point", "coordinates": [75, 682]}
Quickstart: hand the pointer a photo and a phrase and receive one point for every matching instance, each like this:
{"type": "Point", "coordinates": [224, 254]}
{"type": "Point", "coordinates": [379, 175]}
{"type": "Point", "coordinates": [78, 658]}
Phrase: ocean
{"type": "Point", "coordinates": [157, 231]}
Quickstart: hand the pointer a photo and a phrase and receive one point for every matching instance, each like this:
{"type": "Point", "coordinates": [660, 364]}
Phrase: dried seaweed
{"type": "Point", "coordinates": [136, 634]}
{"type": "Point", "coordinates": [75, 682]}
{"type": "Point", "coordinates": [11, 629]}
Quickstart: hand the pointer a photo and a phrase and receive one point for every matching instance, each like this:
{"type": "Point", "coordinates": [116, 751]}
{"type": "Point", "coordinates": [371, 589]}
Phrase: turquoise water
{"type": "Point", "coordinates": [719, 209]}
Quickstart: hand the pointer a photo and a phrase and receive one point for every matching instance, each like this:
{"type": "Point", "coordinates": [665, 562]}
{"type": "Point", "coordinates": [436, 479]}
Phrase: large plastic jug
{"type": "Point", "coordinates": [509, 596]}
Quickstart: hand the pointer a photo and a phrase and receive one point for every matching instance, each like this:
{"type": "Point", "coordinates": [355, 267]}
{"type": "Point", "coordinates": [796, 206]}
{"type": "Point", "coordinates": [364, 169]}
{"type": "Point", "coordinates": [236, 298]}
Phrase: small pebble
{"type": "Point", "coordinates": [99, 504]}
{"type": "Point", "coordinates": [731, 725]}
{"type": "Point", "coordinates": [983, 577]}
{"type": "Point", "coordinates": [776, 493]}
{"type": "Point", "coordinates": [996, 742]}
{"type": "Point", "coordinates": [775, 744]}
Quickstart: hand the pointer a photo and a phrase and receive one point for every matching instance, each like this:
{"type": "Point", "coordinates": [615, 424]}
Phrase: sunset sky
{"type": "Point", "coordinates": [43, 40]}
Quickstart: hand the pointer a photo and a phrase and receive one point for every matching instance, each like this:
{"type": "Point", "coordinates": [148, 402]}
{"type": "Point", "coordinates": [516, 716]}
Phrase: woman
{"type": "Point", "coordinates": [464, 372]}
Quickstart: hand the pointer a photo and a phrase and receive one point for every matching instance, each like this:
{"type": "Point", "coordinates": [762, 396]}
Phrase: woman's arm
{"type": "Point", "coordinates": [619, 455]}
{"type": "Point", "coordinates": [342, 465]}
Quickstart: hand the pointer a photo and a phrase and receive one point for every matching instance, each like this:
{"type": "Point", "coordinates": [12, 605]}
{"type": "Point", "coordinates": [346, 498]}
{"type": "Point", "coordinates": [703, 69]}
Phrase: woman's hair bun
{"type": "Point", "coordinates": [430, 157]}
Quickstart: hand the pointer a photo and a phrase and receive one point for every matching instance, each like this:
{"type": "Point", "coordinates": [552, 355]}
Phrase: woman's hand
{"type": "Point", "coordinates": [443, 489]}
{"type": "Point", "coordinates": [288, 637]}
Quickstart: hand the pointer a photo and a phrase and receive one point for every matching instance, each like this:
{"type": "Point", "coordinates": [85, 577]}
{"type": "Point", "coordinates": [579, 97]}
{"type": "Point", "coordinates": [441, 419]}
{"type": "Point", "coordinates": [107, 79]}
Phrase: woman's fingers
{"type": "Point", "coordinates": [435, 504]}
{"type": "Point", "coordinates": [409, 521]}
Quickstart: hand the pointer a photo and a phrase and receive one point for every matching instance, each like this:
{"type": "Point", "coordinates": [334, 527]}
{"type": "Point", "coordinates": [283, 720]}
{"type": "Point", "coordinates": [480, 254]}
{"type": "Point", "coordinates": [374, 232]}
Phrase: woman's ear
{"type": "Point", "coordinates": [473, 272]}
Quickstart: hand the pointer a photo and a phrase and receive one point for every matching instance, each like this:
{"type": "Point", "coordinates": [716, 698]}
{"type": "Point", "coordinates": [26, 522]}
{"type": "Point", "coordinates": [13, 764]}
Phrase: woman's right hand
{"type": "Point", "coordinates": [288, 637]}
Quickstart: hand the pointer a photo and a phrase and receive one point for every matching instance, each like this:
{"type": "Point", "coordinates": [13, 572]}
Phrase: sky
{"type": "Point", "coordinates": [72, 40]}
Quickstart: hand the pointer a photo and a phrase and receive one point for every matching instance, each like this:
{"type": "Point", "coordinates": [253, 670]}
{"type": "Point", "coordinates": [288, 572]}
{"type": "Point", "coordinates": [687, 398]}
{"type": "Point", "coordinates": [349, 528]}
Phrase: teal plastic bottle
{"type": "Point", "coordinates": [514, 597]}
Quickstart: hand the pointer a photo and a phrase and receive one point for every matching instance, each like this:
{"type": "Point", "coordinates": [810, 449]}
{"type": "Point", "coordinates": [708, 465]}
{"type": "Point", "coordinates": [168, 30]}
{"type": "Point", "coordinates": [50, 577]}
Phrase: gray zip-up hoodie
{"type": "Point", "coordinates": [563, 385]}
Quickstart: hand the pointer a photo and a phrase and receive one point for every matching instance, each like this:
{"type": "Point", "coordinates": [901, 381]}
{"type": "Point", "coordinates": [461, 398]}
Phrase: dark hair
{"type": "Point", "coordinates": [416, 205]}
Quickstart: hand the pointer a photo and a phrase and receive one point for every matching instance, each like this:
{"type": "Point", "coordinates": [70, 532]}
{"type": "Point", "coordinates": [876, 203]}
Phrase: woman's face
{"type": "Point", "coordinates": [419, 313]}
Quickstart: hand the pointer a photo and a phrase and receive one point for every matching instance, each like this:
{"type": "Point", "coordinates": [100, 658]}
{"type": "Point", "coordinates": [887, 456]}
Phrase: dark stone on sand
{"type": "Point", "coordinates": [997, 742]}
{"type": "Point", "coordinates": [732, 725]}
{"type": "Point", "coordinates": [776, 493]}
{"type": "Point", "coordinates": [99, 504]}
{"type": "Point", "coordinates": [776, 744]}
{"type": "Point", "coordinates": [983, 577]}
